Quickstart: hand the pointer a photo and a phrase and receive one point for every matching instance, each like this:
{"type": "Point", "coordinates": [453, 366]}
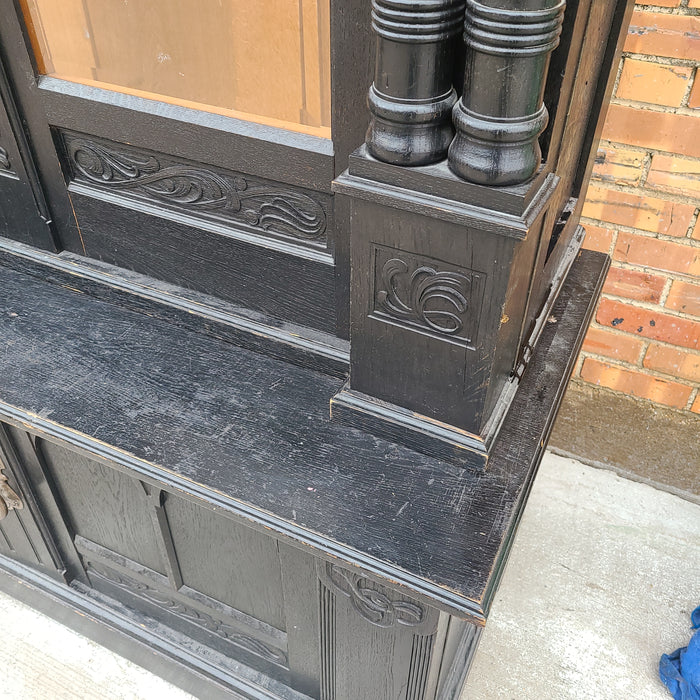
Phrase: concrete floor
{"type": "Point", "coordinates": [601, 581]}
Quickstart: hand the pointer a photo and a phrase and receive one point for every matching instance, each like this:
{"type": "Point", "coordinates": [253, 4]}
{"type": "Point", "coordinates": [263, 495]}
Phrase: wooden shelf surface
{"type": "Point", "coordinates": [251, 435]}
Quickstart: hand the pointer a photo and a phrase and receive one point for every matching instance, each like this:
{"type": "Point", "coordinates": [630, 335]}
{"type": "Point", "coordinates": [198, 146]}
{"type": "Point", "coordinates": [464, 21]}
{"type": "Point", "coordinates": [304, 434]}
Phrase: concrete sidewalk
{"type": "Point", "coordinates": [601, 581]}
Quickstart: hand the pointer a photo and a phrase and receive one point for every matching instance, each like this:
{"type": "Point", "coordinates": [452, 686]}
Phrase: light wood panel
{"type": "Point", "coordinates": [263, 60]}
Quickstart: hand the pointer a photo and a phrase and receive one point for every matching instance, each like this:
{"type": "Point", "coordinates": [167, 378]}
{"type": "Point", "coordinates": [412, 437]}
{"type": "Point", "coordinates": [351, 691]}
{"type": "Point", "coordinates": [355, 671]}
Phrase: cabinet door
{"type": "Point", "coordinates": [24, 534]}
{"type": "Point", "coordinates": [175, 565]}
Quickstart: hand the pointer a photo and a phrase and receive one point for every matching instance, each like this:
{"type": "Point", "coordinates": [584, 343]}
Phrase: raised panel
{"type": "Point", "coordinates": [104, 505]}
{"type": "Point", "coordinates": [231, 563]}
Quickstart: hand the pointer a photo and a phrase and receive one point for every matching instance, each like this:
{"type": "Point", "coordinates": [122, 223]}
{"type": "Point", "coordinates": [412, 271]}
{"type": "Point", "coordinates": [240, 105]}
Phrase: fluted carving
{"type": "Point", "coordinates": [412, 97]}
{"type": "Point", "coordinates": [501, 113]}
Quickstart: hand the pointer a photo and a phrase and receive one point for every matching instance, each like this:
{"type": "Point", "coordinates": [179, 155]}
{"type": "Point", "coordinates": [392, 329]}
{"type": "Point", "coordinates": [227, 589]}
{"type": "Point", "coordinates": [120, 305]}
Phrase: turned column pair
{"type": "Point", "coordinates": [490, 135]}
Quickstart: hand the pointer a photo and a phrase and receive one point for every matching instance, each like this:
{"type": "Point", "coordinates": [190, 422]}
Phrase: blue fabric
{"type": "Point", "coordinates": [680, 671]}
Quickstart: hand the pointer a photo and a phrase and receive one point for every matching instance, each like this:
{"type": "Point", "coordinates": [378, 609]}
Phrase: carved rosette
{"type": "Point", "coordinates": [412, 96]}
{"type": "Point", "coordinates": [501, 113]}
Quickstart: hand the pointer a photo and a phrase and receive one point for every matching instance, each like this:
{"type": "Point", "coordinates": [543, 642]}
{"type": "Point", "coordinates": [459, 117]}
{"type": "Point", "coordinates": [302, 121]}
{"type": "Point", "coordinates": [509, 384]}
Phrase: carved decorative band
{"type": "Point", "coordinates": [522, 32]}
{"type": "Point", "coordinates": [189, 614]}
{"type": "Point", "coordinates": [407, 20]}
{"type": "Point", "coordinates": [195, 189]}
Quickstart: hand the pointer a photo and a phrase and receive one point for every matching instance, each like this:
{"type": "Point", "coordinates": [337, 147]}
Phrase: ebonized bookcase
{"type": "Point", "coordinates": [271, 404]}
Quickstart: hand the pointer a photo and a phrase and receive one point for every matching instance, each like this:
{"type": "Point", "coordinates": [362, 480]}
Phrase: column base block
{"type": "Point", "coordinates": [421, 433]}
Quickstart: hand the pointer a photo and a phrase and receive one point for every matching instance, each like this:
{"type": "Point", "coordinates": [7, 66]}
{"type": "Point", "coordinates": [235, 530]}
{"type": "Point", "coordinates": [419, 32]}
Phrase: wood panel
{"type": "Point", "coordinates": [234, 565]}
{"type": "Point", "coordinates": [207, 55]}
{"type": "Point", "coordinates": [103, 505]}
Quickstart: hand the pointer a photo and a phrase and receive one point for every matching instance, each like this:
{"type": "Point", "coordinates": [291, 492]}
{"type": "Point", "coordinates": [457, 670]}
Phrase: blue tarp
{"type": "Point", "coordinates": [680, 671]}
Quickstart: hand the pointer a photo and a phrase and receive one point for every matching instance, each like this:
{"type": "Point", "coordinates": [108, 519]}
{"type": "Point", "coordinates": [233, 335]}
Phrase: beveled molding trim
{"type": "Point", "coordinates": [230, 199]}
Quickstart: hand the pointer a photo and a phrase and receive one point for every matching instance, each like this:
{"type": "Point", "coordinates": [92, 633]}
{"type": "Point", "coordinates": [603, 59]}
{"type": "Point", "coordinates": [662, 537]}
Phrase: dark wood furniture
{"type": "Point", "coordinates": [271, 404]}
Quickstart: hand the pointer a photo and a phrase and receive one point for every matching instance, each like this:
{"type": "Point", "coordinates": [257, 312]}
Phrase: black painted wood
{"type": "Point", "coordinates": [39, 208]}
{"type": "Point", "coordinates": [442, 283]}
{"type": "Point", "coordinates": [24, 214]}
{"type": "Point", "coordinates": [501, 114]}
{"type": "Point", "coordinates": [299, 345]}
{"type": "Point", "coordinates": [412, 96]}
{"type": "Point", "coordinates": [215, 408]}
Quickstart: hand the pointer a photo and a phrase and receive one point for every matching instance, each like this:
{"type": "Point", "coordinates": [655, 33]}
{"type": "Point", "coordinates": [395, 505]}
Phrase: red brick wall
{"type": "Point", "coordinates": [642, 207]}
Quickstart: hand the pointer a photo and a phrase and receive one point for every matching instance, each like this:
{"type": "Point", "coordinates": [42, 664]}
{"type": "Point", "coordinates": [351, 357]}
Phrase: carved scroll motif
{"type": "Point", "coordinates": [427, 295]}
{"type": "Point", "coordinates": [427, 288]}
{"type": "Point", "coordinates": [196, 617]}
{"type": "Point", "coordinates": [376, 604]}
{"type": "Point", "coordinates": [4, 160]}
{"type": "Point", "coordinates": [197, 190]}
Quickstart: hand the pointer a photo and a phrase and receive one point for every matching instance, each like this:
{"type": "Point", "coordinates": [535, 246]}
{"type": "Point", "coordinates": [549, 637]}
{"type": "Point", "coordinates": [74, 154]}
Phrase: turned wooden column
{"type": "Point", "coordinates": [501, 113]}
{"type": "Point", "coordinates": [412, 97]}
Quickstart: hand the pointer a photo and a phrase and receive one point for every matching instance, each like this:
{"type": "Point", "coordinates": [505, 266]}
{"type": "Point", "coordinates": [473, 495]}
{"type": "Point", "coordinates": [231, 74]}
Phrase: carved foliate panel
{"type": "Point", "coordinates": [230, 199]}
{"type": "Point", "coordinates": [189, 614]}
{"type": "Point", "coordinates": [5, 164]}
{"type": "Point", "coordinates": [426, 294]}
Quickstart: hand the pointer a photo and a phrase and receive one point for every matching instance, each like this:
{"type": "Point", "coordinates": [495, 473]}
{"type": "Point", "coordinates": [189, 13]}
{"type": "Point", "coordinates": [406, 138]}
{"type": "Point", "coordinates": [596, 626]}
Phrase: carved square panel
{"type": "Point", "coordinates": [426, 294]}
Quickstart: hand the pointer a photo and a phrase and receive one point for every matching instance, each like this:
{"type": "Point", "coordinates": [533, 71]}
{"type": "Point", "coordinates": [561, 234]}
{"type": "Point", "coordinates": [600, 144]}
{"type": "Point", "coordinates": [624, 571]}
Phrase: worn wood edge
{"type": "Point", "coordinates": [438, 178]}
{"type": "Point", "coordinates": [413, 430]}
{"type": "Point", "coordinates": [470, 215]}
{"type": "Point", "coordinates": [107, 627]}
{"type": "Point", "coordinates": [447, 600]}
{"type": "Point", "coordinates": [253, 142]}
{"type": "Point", "coordinates": [557, 282]}
{"type": "Point", "coordinates": [603, 263]}
{"type": "Point", "coordinates": [322, 352]}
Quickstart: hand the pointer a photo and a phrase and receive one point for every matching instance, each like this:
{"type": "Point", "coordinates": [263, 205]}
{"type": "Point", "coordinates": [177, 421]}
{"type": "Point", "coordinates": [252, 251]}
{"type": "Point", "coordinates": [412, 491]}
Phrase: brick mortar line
{"type": "Point", "coordinates": [646, 269]}
{"type": "Point", "coordinates": [659, 60]}
{"type": "Point", "coordinates": [648, 149]}
{"type": "Point", "coordinates": [686, 241]}
{"type": "Point", "coordinates": [646, 371]}
{"type": "Point", "coordinates": [648, 190]}
{"type": "Point", "coordinates": [655, 108]}
{"type": "Point", "coordinates": [666, 291]}
{"type": "Point", "coordinates": [680, 11]}
{"type": "Point", "coordinates": [683, 411]}
{"type": "Point", "coordinates": [650, 306]}
{"type": "Point", "coordinates": [644, 339]}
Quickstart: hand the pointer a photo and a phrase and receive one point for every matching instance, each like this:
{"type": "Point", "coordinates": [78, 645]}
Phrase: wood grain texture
{"type": "Point", "coordinates": [251, 435]}
{"type": "Point", "coordinates": [172, 249]}
{"type": "Point", "coordinates": [202, 313]}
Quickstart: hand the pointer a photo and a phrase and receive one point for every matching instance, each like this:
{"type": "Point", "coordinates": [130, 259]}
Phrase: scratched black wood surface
{"type": "Point", "coordinates": [252, 434]}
